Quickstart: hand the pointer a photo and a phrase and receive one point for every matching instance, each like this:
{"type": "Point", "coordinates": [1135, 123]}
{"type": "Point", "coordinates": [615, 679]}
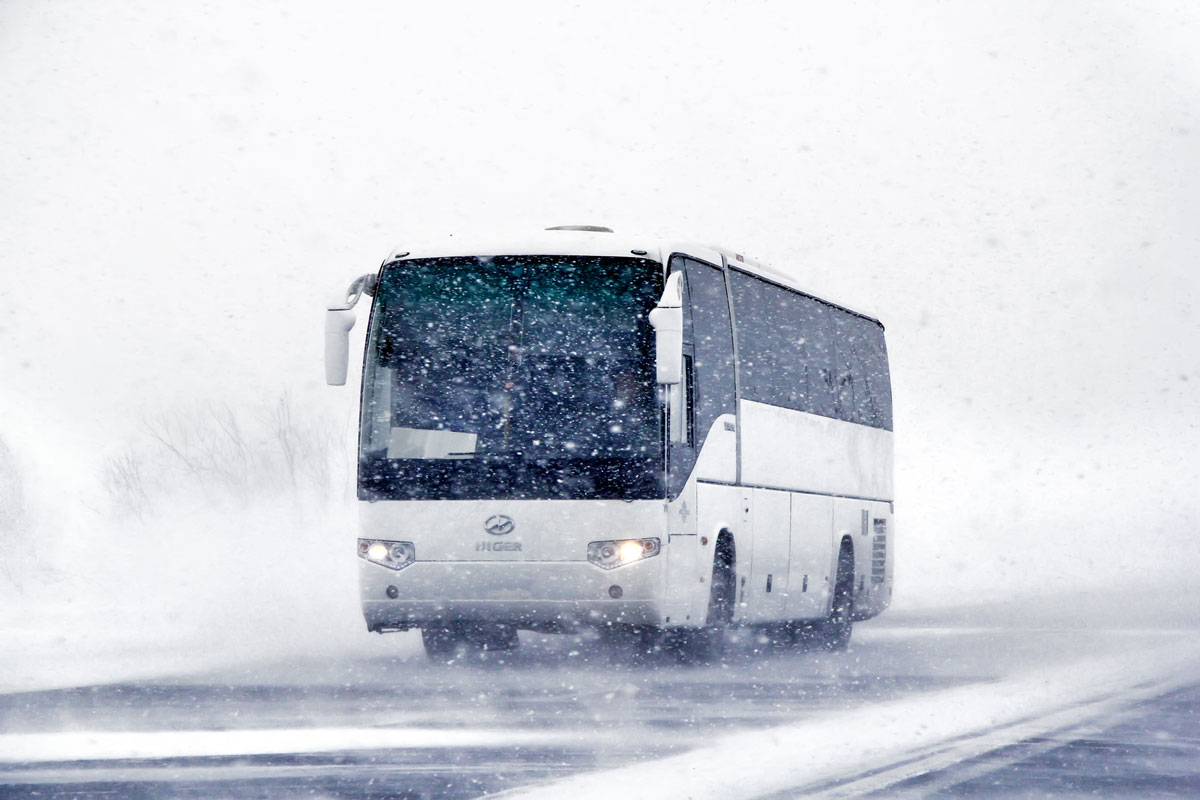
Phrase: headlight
{"type": "Point", "coordinates": [610, 555]}
{"type": "Point", "coordinates": [393, 555]}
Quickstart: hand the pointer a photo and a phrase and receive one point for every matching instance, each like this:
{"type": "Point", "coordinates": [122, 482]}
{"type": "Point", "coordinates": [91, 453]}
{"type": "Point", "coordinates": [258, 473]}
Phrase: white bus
{"type": "Point", "coordinates": [653, 439]}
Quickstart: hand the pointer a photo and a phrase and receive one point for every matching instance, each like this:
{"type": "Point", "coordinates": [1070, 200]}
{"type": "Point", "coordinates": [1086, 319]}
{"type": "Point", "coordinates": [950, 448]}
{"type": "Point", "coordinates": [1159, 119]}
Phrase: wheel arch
{"type": "Point", "coordinates": [724, 568]}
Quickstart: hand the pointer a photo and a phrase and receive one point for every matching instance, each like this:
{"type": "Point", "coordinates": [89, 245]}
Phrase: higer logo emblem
{"type": "Point", "coordinates": [499, 524]}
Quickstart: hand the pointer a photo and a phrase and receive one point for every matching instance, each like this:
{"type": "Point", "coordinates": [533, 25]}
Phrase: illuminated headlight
{"type": "Point", "coordinates": [393, 555]}
{"type": "Point", "coordinates": [610, 555]}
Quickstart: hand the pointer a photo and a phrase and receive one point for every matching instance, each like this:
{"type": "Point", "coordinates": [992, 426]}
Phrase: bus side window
{"type": "Point", "coordinates": [708, 360]}
{"type": "Point", "coordinates": [682, 455]}
{"type": "Point", "coordinates": [689, 395]}
{"type": "Point", "coordinates": [713, 336]}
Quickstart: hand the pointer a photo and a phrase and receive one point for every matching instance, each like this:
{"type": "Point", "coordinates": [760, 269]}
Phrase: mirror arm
{"type": "Point", "coordinates": [363, 284]}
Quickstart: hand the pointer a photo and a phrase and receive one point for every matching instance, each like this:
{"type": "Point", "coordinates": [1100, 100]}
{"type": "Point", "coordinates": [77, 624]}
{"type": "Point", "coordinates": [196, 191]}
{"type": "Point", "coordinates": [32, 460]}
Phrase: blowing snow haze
{"type": "Point", "coordinates": [1011, 188]}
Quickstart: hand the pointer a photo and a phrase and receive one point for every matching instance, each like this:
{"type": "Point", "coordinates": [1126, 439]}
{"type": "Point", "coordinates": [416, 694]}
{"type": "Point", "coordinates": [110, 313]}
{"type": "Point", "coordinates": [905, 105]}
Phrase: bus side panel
{"type": "Point", "coordinates": [695, 519]}
{"type": "Point", "coordinates": [868, 525]}
{"type": "Point", "coordinates": [685, 561]}
{"type": "Point", "coordinates": [812, 557]}
{"type": "Point", "coordinates": [786, 449]}
{"type": "Point", "coordinates": [719, 508]}
{"type": "Point", "coordinates": [876, 562]}
{"type": "Point", "coordinates": [770, 524]}
{"type": "Point", "coordinates": [717, 459]}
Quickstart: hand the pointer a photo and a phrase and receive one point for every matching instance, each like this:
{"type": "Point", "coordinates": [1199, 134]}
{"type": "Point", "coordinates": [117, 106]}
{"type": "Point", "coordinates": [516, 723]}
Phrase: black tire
{"type": "Point", "coordinates": [695, 645]}
{"type": "Point", "coordinates": [834, 632]}
{"type": "Point", "coordinates": [708, 643]}
{"type": "Point", "coordinates": [451, 642]}
{"type": "Point", "coordinates": [630, 642]}
{"type": "Point", "coordinates": [805, 633]}
{"type": "Point", "coordinates": [777, 635]}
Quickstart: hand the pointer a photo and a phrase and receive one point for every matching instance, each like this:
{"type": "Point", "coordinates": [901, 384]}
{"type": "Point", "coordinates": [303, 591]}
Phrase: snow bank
{"type": "Point", "coordinates": [182, 591]}
{"type": "Point", "coordinates": [850, 743]}
{"type": "Point", "coordinates": [216, 555]}
{"type": "Point", "coordinates": [113, 745]}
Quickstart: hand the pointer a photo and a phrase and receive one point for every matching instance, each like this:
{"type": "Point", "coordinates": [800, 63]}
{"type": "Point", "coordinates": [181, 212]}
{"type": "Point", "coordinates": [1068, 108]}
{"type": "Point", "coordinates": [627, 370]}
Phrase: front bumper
{"type": "Point", "coordinates": [551, 596]}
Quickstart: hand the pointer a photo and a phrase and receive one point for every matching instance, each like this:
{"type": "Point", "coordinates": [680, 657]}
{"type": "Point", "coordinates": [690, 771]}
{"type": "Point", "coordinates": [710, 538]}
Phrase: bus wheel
{"type": "Point", "coordinates": [708, 643]}
{"type": "Point", "coordinates": [835, 630]}
{"type": "Point", "coordinates": [778, 635]}
{"type": "Point", "coordinates": [630, 642]}
{"type": "Point", "coordinates": [805, 633]}
{"type": "Point", "coordinates": [696, 645]}
{"type": "Point", "coordinates": [442, 644]}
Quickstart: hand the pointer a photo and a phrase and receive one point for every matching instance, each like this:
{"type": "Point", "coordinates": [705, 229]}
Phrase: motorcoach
{"type": "Point", "coordinates": [580, 429]}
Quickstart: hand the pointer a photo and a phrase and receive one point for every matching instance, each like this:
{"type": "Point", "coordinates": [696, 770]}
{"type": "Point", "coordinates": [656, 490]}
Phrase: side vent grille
{"type": "Point", "coordinates": [879, 552]}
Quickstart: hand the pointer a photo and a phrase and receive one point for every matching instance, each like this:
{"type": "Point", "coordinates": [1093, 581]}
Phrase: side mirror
{"type": "Point", "coordinates": [338, 323]}
{"type": "Point", "coordinates": [667, 321]}
{"type": "Point", "coordinates": [339, 320]}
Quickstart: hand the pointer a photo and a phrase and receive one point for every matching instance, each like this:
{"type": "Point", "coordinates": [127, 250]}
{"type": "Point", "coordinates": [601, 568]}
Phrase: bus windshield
{"type": "Point", "coordinates": [512, 377]}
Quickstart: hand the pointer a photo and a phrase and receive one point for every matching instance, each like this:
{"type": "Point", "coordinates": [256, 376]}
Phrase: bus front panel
{"type": "Point", "coordinates": [531, 564]}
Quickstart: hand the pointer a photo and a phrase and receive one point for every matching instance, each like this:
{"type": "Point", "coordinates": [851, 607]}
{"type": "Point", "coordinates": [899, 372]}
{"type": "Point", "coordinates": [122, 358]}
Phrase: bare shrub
{"type": "Point", "coordinates": [123, 477]}
{"type": "Point", "coordinates": [205, 444]}
{"type": "Point", "coordinates": [308, 450]}
{"type": "Point", "coordinates": [229, 455]}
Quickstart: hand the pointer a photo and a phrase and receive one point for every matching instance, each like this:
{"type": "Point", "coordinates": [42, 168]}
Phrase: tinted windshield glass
{"type": "Point", "coordinates": [512, 377]}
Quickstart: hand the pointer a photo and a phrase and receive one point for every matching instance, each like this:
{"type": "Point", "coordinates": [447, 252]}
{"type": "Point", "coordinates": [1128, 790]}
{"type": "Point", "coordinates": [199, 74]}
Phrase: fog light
{"type": "Point", "coordinates": [392, 592]}
{"type": "Point", "coordinates": [615, 592]}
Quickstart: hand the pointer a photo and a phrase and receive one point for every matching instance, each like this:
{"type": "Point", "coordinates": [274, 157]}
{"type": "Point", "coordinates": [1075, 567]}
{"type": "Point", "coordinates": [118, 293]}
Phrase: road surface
{"type": "Point", "coordinates": [942, 705]}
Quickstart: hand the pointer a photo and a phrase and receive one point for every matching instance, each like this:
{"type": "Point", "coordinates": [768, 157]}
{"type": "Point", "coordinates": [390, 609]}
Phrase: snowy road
{"type": "Point", "coordinates": [1150, 749]}
{"type": "Point", "coordinates": [948, 705]}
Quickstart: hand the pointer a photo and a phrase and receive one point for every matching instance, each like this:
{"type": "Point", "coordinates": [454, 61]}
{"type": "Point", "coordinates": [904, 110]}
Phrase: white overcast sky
{"type": "Point", "coordinates": [1013, 187]}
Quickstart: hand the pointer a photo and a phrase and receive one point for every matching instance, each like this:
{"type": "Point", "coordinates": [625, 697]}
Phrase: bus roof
{"type": "Point", "coordinates": [593, 241]}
